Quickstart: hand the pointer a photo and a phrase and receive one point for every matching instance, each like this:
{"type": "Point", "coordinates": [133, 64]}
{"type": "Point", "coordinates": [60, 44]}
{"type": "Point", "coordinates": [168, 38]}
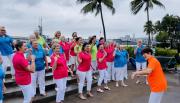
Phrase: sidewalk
{"type": "Point", "coordinates": [132, 94]}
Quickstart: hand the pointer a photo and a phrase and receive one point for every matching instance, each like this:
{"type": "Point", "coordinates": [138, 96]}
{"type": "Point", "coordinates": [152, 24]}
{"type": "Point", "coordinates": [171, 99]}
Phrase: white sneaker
{"type": "Point", "coordinates": [100, 90]}
{"type": "Point", "coordinates": [137, 82]}
{"type": "Point", "coordinates": [56, 89]}
{"type": "Point", "coordinates": [117, 85]}
{"type": "Point", "coordinates": [107, 88]}
{"type": "Point", "coordinates": [124, 85]}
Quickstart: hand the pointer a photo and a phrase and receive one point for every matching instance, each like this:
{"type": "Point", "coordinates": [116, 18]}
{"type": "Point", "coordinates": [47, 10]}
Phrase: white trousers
{"type": "Point", "coordinates": [156, 97]}
{"type": "Point", "coordinates": [27, 92]}
{"type": "Point", "coordinates": [140, 66]}
{"type": "Point", "coordinates": [94, 65]}
{"type": "Point", "coordinates": [82, 76]}
{"type": "Point", "coordinates": [1, 101]}
{"type": "Point", "coordinates": [103, 75]}
{"type": "Point", "coordinates": [126, 71]}
{"type": "Point", "coordinates": [120, 73]}
{"type": "Point", "coordinates": [7, 61]}
{"type": "Point", "coordinates": [61, 85]}
{"type": "Point", "coordinates": [38, 78]}
{"type": "Point", "coordinates": [110, 70]}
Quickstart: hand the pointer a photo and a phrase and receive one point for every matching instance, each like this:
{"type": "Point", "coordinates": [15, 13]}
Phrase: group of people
{"type": "Point", "coordinates": [81, 59]}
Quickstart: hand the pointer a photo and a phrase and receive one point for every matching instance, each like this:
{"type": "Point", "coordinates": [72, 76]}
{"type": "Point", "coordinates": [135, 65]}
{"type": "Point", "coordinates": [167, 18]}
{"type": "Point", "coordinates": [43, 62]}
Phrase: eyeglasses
{"type": "Point", "coordinates": [3, 30]}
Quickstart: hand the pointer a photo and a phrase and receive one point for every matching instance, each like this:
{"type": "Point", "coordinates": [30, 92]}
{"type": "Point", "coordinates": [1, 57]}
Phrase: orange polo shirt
{"type": "Point", "coordinates": [157, 80]}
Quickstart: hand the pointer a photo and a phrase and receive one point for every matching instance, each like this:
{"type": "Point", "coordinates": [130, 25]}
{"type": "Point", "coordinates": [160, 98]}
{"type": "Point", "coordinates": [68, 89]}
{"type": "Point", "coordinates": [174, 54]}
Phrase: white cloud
{"type": "Point", "coordinates": [21, 17]}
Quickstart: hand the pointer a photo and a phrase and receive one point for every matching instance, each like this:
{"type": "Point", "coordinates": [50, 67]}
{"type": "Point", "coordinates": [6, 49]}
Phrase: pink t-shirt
{"type": "Point", "coordinates": [72, 45]}
{"type": "Point", "coordinates": [85, 65]}
{"type": "Point", "coordinates": [110, 51]}
{"type": "Point", "coordinates": [101, 65]}
{"type": "Point", "coordinates": [62, 70]}
{"type": "Point", "coordinates": [66, 48]}
{"type": "Point", "coordinates": [22, 76]}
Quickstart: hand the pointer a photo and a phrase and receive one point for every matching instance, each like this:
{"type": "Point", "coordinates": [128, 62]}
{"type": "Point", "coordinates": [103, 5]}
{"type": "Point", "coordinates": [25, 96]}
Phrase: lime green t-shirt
{"type": "Point", "coordinates": [78, 49]}
{"type": "Point", "coordinates": [41, 41]}
{"type": "Point", "coordinates": [56, 40]}
{"type": "Point", "coordinates": [93, 52]}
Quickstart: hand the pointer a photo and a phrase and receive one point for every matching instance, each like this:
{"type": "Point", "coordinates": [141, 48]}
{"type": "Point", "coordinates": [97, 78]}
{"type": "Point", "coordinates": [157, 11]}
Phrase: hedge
{"type": "Point", "coordinates": [165, 52]}
{"type": "Point", "coordinates": [130, 51]}
{"type": "Point", "coordinates": [158, 51]}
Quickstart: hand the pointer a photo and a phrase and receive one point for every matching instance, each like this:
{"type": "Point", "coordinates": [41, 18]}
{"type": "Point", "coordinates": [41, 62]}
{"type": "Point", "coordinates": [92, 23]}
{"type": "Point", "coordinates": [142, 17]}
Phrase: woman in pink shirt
{"type": "Point", "coordinates": [110, 60]}
{"type": "Point", "coordinates": [84, 70]}
{"type": "Point", "coordinates": [102, 68]}
{"type": "Point", "coordinates": [23, 71]}
{"type": "Point", "coordinates": [66, 48]}
{"type": "Point", "coordinates": [60, 72]}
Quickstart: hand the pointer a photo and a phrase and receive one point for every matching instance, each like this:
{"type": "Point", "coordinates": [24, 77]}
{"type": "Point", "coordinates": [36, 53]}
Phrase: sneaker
{"type": "Point", "coordinates": [107, 88]}
{"type": "Point", "coordinates": [56, 89]}
{"type": "Point", "coordinates": [94, 77]}
{"type": "Point", "coordinates": [45, 94]}
{"type": "Point", "coordinates": [124, 85]}
{"type": "Point", "coordinates": [100, 90]}
{"type": "Point", "coordinates": [117, 85]}
{"type": "Point", "coordinates": [137, 82]}
{"type": "Point", "coordinates": [13, 77]}
{"type": "Point", "coordinates": [82, 97]}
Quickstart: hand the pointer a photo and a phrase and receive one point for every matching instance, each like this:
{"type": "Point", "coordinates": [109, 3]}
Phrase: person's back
{"type": "Point", "coordinates": [156, 78]}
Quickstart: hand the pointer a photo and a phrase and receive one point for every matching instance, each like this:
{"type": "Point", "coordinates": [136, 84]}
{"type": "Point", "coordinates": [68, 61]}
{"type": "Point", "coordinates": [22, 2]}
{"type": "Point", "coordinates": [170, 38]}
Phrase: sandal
{"type": "Point", "coordinates": [90, 95]}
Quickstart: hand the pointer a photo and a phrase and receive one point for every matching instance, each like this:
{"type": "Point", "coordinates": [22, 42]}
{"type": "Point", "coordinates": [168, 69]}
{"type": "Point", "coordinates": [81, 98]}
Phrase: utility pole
{"type": "Point", "coordinates": [40, 26]}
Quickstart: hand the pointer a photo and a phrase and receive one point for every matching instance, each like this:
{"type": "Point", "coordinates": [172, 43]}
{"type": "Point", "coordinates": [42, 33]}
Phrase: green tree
{"type": "Point", "coordinates": [162, 37]}
{"type": "Point", "coordinates": [96, 5]}
{"type": "Point", "coordinates": [137, 5]}
{"type": "Point", "coordinates": [169, 24]}
{"type": "Point", "coordinates": [149, 28]}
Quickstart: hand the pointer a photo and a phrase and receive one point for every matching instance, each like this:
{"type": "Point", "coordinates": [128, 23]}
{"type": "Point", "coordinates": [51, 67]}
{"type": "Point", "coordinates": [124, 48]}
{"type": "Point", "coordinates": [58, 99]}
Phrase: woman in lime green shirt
{"type": "Point", "coordinates": [92, 43]}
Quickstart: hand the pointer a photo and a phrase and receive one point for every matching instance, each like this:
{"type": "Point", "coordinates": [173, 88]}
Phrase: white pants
{"type": "Point", "coordinates": [155, 97]}
{"type": "Point", "coordinates": [103, 75]}
{"type": "Point", "coordinates": [120, 73]}
{"type": "Point", "coordinates": [1, 101]}
{"type": "Point", "coordinates": [61, 85]}
{"type": "Point", "coordinates": [7, 61]}
{"type": "Point", "coordinates": [82, 76]}
{"type": "Point", "coordinates": [38, 78]}
{"type": "Point", "coordinates": [27, 92]}
{"type": "Point", "coordinates": [110, 70]}
{"type": "Point", "coordinates": [140, 66]}
{"type": "Point", "coordinates": [72, 60]}
{"type": "Point", "coordinates": [126, 72]}
{"type": "Point", "coordinates": [94, 65]}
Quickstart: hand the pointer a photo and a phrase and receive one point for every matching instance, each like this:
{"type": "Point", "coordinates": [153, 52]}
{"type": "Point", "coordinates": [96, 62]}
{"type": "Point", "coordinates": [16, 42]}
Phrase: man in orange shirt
{"type": "Point", "coordinates": [156, 77]}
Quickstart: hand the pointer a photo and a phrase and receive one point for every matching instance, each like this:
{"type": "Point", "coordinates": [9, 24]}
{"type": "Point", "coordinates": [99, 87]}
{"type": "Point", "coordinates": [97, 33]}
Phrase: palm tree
{"type": "Point", "coordinates": [149, 28]}
{"type": "Point", "coordinates": [96, 5]}
{"type": "Point", "coordinates": [137, 5]}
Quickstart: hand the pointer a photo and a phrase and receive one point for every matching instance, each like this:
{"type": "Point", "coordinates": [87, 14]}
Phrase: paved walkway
{"type": "Point", "coordinates": [132, 94]}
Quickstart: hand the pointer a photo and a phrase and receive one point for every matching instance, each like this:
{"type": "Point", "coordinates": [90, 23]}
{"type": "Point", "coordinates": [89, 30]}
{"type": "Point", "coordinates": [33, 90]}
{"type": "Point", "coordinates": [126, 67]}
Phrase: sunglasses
{"type": "Point", "coordinates": [3, 30]}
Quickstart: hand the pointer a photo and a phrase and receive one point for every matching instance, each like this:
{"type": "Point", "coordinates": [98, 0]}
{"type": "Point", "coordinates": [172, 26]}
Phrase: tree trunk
{"type": "Point", "coordinates": [104, 30]}
{"type": "Point", "coordinates": [149, 38]}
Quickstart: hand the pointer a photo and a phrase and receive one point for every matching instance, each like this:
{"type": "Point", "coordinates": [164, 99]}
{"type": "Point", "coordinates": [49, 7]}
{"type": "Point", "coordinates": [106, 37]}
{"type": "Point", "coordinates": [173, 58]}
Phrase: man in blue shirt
{"type": "Point", "coordinates": [6, 50]}
{"type": "Point", "coordinates": [40, 63]}
{"type": "Point", "coordinates": [140, 60]}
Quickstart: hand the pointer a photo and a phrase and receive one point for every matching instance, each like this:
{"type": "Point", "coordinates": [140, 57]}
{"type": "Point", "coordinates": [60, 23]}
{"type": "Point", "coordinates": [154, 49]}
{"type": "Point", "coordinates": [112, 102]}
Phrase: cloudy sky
{"type": "Point", "coordinates": [21, 17]}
